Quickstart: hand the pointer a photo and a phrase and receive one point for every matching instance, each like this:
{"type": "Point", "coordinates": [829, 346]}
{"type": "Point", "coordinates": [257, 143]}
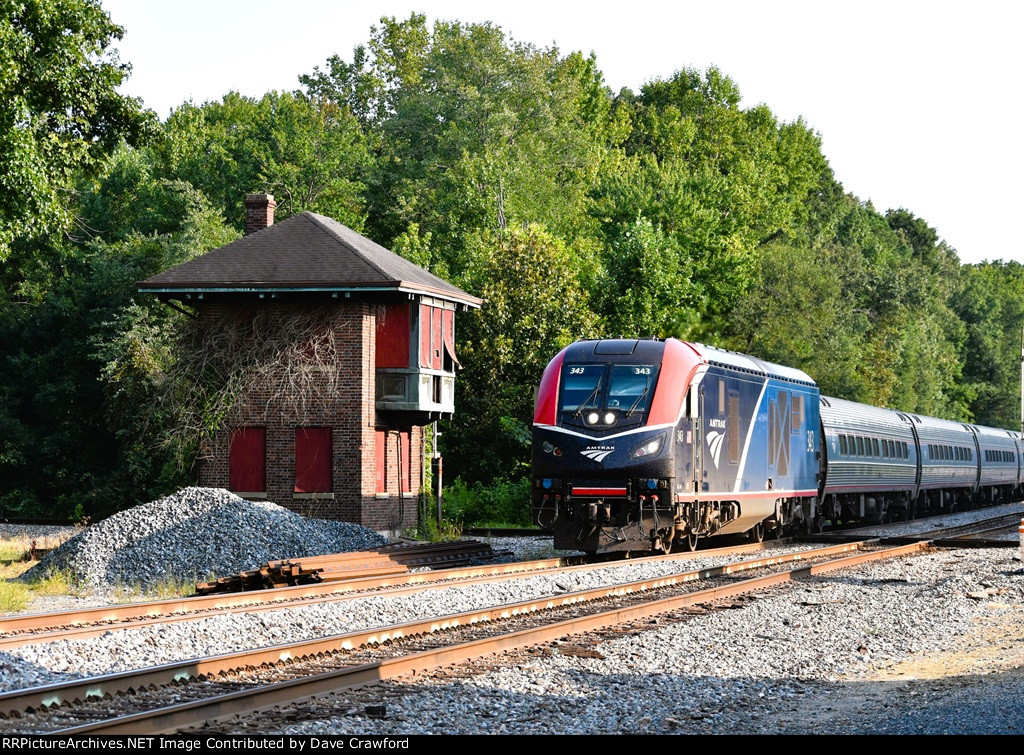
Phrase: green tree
{"type": "Point", "coordinates": [60, 113]}
{"type": "Point", "coordinates": [311, 155]}
{"type": "Point", "coordinates": [80, 358]}
{"type": "Point", "coordinates": [991, 307]}
{"type": "Point", "coordinates": [533, 305]}
{"type": "Point", "coordinates": [717, 181]}
{"type": "Point", "coordinates": [474, 131]}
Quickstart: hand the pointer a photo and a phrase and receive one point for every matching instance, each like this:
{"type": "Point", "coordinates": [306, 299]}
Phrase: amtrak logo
{"type": "Point", "coordinates": [715, 439]}
{"type": "Point", "coordinates": [597, 453]}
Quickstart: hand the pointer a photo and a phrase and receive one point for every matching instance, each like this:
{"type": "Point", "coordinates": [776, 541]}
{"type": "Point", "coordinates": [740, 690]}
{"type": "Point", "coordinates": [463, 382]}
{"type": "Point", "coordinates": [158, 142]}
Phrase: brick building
{"type": "Point", "coordinates": [342, 436]}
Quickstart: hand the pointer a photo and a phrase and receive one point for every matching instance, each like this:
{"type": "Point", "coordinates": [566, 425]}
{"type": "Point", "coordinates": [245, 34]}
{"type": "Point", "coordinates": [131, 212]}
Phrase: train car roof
{"type": "Point", "coordinates": [839, 411]}
{"type": "Point", "coordinates": [715, 355]}
{"type": "Point", "coordinates": [996, 432]}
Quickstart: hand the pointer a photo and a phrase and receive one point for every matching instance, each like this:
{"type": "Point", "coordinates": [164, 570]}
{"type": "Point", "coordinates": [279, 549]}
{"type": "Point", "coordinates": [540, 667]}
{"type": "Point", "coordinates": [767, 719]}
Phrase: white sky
{"type": "Point", "coordinates": [918, 103]}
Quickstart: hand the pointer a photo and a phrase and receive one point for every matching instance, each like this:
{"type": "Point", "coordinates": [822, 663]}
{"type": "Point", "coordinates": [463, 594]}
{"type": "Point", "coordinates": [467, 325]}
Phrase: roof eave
{"type": "Point", "coordinates": [226, 288]}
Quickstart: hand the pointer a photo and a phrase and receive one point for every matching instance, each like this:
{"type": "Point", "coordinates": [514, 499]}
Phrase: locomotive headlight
{"type": "Point", "coordinates": [649, 448]}
{"type": "Point", "coordinates": [592, 418]}
{"type": "Point", "coordinates": [609, 418]}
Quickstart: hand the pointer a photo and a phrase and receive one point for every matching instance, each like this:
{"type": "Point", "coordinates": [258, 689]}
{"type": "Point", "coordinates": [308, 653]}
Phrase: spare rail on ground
{"type": "Point", "coordinates": [389, 559]}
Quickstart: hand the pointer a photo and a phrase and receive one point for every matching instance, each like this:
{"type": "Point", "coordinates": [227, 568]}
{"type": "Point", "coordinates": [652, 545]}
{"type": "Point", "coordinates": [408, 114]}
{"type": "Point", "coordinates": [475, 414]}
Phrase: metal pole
{"type": "Point", "coordinates": [1022, 379]}
{"type": "Point", "coordinates": [437, 473]}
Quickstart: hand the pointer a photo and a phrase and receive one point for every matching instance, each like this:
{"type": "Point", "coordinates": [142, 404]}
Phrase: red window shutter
{"type": "Point", "coordinates": [313, 467]}
{"type": "Point", "coordinates": [425, 356]}
{"type": "Point", "coordinates": [435, 338]}
{"type": "Point", "coordinates": [382, 460]}
{"type": "Point", "coordinates": [449, 336]}
{"type": "Point", "coordinates": [393, 335]}
{"type": "Point", "coordinates": [406, 463]}
{"type": "Point", "coordinates": [247, 461]}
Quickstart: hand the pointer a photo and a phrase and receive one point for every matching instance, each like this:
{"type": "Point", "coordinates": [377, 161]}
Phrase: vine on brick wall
{"type": "Point", "coordinates": [280, 360]}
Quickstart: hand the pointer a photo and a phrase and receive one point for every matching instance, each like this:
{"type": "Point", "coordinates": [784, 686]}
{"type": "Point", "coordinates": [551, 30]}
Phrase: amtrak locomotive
{"type": "Point", "coordinates": [642, 445]}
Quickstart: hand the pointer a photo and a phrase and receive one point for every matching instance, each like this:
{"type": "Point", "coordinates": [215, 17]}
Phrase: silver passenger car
{"type": "Point", "coordinates": [949, 455]}
{"type": "Point", "coordinates": [869, 458]}
{"type": "Point", "coordinates": [1000, 454]}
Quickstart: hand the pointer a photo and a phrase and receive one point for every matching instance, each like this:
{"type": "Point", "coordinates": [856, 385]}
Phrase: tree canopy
{"type": "Point", "coordinates": [60, 113]}
{"type": "Point", "coordinates": [511, 170]}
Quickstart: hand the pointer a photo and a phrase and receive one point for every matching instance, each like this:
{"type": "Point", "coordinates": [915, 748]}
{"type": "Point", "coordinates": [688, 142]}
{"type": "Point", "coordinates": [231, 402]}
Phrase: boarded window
{"type": "Point", "coordinates": [430, 337]}
{"type": "Point", "coordinates": [313, 467]}
{"type": "Point", "coordinates": [842, 445]}
{"type": "Point", "coordinates": [426, 358]}
{"type": "Point", "coordinates": [392, 334]}
{"type": "Point", "coordinates": [798, 412]}
{"type": "Point", "coordinates": [382, 467]}
{"type": "Point", "coordinates": [406, 462]}
{"type": "Point", "coordinates": [388, 444]}
{"type": "Point", "coordinates": [247, 460]}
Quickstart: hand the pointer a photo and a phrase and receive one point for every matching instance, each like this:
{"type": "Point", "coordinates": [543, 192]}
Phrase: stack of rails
{"type": "Point", "coordinates": [384, 561]}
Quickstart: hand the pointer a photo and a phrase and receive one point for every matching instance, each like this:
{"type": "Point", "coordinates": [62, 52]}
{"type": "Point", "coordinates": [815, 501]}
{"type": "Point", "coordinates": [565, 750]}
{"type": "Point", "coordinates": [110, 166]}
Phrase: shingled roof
{"type": "Point", "coordinates": [306, 252]}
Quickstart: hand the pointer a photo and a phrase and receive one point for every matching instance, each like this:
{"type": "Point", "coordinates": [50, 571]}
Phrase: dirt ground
{"type": "Point", "coordinates": [976, 687]}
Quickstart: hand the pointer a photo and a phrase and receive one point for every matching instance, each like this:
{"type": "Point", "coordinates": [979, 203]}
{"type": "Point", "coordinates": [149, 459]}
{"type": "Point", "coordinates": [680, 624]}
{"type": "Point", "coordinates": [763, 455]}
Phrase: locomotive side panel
{"type": "Point", "coordinates": [760, 444]}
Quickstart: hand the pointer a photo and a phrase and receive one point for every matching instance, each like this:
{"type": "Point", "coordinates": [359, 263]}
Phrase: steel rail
{"type": "Point", "coordinates": [91, 622]}
{"type": "Point", "coordinates": [940, 532]}
{"type": "Point", "coordinates": [97, 687]}
{"type": "Point", "coordinates": [175, 718]}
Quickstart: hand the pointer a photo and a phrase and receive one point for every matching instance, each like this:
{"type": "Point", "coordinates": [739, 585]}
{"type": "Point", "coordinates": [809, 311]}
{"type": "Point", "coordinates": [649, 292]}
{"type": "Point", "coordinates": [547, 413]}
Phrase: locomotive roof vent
{"type": "Point", "coordinates": [616, 347]}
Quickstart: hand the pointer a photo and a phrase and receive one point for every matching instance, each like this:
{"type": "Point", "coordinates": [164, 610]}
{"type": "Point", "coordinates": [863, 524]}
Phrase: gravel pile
{"type": "Point", "coordinates": [192, 535]}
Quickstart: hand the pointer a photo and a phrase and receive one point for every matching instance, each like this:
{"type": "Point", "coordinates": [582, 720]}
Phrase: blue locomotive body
{"type": "Point", "coordinates": [642, 445]}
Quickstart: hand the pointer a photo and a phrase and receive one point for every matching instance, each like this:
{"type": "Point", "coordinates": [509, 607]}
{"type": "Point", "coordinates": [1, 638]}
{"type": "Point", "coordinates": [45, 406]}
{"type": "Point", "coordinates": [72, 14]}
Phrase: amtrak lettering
{"type": "Point", "coordinates": [597, 453]}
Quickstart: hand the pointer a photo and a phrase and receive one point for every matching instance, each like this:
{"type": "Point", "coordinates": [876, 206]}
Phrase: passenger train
{"type": "Point", "coordinates": [650, 445]}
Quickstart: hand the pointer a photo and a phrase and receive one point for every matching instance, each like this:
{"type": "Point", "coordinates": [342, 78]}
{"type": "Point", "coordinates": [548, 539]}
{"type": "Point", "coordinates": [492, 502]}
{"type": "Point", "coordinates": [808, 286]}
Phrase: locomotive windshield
{"type": "Point", "coordinates": [625, 389]}
{"type": "Point", "coordinates": [630, 387]}
{"type": "Point", "coordinates": [581, 387]}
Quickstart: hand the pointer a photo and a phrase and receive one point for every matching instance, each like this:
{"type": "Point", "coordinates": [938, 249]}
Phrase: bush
{"type": "Point", "coordinates": [502, 503]}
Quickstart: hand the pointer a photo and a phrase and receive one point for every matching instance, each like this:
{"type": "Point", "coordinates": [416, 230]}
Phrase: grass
{"type": "Point", "coordinates": [55, 582]}
{"type": "Point", "coordinates": [166, 588]}
{"type": "Point", "coordinates": [14, 597]}
{"type": "Point", "coordinates": [17, 595]}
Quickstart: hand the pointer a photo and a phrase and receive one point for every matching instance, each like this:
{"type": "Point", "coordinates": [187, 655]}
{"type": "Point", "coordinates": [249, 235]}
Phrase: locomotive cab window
{"type": "Point", "coordinates": [629, 388]}
{"type": "Point", "coordinates": [581, 386]}
{"type": "Point", "coordinates": [623, 389]}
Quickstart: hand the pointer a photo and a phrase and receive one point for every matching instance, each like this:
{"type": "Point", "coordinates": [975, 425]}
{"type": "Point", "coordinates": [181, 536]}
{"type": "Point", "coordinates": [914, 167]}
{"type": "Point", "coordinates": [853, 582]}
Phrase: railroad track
{"type": "Point", "coordinates": [198, 691]}
{"type": "Point", "coordinates": [991, 532]}
{"type": "Point", "coordinates": [17, 631]}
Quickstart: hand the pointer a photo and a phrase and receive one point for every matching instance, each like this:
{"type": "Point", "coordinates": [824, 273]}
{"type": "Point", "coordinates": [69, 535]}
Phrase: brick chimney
{"type": "Point", "coordinates": [259, 212]}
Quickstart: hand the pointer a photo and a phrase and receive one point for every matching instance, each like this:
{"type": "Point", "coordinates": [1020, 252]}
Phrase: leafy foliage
{"type": "Point", "coordinates": [509, 169]}
{"type": "Point", "coordinates": [60, 113]}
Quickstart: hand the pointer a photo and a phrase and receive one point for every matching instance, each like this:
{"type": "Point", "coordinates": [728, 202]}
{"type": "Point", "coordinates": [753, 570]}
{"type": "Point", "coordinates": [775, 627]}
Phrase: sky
{"type": "Point", "coordinates": [918, 104]}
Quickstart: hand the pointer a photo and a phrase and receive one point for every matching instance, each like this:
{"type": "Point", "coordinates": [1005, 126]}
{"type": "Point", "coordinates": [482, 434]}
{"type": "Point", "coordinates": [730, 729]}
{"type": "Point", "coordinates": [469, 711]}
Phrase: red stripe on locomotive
{"type": "Point", "coordinates": [678, 364]}
{"type": "Point", "coordinates": [546, 410]}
